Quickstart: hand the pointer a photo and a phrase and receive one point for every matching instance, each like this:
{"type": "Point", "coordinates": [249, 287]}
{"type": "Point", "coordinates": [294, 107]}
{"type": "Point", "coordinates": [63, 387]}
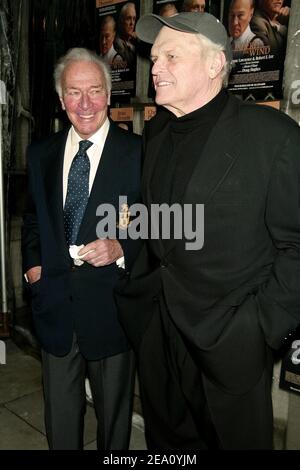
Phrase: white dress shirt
{"type": "Point", "coordinates": [94, 153]}
{"type": "Point", "coordinates": [245, 40]}
{"type": "Point", "coordinates": [112, 57]}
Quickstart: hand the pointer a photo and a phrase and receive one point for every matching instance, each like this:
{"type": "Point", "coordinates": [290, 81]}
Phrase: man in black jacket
{"type": "Point", "coordinates": [71, 272]}
{"type": "Point", "coordinates": [204, 318]}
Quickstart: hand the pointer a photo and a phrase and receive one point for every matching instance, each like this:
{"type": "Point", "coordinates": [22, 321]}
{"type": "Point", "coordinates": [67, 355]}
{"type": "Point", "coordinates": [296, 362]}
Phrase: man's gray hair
{"type": "Point", "coordinates": [207, 48]}
{"type": "Point", "coordinates": [80, 54]}
{"type": "Point", "coordinates": [125, 8]}
{"type": "Point", "coordinates": [108, 19]}
{"type": "Point", "coordinates": [251, 3]}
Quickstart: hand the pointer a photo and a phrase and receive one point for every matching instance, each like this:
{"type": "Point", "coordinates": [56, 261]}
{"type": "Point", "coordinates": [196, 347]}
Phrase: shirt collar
{"type": "Point", "coordinates": [247, 35]}
{"type": "Point", "coordinates": [95, 138]}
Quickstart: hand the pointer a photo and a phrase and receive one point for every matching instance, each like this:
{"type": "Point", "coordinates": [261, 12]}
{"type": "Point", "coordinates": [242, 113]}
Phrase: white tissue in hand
{"type": "Point", "coordinates": [73, 250]}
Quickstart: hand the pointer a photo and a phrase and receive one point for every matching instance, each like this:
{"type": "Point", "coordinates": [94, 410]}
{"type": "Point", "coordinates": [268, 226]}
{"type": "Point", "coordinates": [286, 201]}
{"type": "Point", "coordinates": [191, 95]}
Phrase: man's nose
{"type": "Point", "coordinates": [158, 66]}
{"type": "Point", "coordinates": [85, 101]}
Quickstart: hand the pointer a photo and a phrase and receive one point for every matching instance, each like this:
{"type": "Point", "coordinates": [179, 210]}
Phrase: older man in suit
{"type": "Point", "coordinates": [270, 22]}
{"type": "Point", "coordinates": [204, 320]}
{"type": "Point", "coordinates": [71, 273]}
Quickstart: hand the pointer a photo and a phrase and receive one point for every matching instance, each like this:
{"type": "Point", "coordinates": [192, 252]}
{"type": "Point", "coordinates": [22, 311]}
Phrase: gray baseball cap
{"type": "Point", "coordinates": [148, 27]}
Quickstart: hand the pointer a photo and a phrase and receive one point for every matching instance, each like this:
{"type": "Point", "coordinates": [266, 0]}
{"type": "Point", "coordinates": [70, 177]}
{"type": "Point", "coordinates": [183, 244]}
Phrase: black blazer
{"type": "Point", "coordinates": [68, 297]}
{"type": "Point", "coordinates": [239, 295]}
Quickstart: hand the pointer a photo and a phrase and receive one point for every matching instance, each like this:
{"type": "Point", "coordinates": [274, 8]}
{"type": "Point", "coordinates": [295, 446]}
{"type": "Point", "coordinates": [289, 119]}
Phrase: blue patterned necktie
{"type": "Point", "coordinates": [77, 192]}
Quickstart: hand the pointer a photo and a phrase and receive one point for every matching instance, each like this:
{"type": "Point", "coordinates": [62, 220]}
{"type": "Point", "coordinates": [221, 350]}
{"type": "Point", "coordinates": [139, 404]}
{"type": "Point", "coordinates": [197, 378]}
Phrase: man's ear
{"type": "Point", "coordinates": [108, 100]}
{"type": "Point", "coordinates": [217, 65]}
{"type": "Point", "coordinates": [62, 103]}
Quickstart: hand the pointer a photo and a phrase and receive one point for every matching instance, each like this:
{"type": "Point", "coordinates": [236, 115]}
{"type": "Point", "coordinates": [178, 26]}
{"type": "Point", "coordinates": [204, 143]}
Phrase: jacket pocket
{"type": "Point", "coordinates": [236, 361]}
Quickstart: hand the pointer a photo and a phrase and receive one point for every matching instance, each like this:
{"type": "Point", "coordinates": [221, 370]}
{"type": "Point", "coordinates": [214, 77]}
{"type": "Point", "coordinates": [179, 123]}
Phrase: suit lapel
{"type": "Point", "coordinates": [54, 188]}
{"type": "Point", "coordinates": [219, 154]}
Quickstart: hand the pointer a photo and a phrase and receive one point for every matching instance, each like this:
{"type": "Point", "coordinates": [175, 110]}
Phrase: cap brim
{"type": "Point", "coordinates": [148, 26]}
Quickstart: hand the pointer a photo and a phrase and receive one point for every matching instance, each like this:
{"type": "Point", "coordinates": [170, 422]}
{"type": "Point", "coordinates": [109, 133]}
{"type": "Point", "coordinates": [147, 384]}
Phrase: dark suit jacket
{"type": "Point", "coordinates": [239, 295]}
{"type": "Point", "coordinates": [262, 27]}
{"type": "Point", "coordinates": [68, 297]}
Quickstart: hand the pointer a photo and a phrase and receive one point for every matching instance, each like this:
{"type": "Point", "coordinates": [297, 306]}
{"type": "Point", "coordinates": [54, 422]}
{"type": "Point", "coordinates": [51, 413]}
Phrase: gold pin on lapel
{"type": "Point", "coordinates": [124, 217]}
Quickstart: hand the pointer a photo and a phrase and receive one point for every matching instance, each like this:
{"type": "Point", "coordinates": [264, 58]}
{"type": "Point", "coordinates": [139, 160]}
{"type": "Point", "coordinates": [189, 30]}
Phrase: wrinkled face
{"type": "Point", "coordinates": [271, 7]}
{"type": "Point", "coordinates": [240, 14]}
{"type": "Point", "coordinates": [128, 21]}
{"type": "Point", "coordinates": [196, 5]}
{"type": "Point", "coordinates": [107, 36]}
{"type": "Point", "coordinates": [180, 74]}
{"type": "Point", "coordinates": [84, 97]}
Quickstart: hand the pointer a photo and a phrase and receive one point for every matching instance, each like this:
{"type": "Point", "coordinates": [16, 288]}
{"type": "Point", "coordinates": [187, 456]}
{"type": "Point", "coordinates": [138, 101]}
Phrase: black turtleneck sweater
{"type": "Point", "coordinates": [182, 149]}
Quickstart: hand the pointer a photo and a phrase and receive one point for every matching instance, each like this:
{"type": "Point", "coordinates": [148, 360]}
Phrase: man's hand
{"type": "Point", "coordinates": [101, 252]}
{"type": "Point", "coordinates": [283, 16]}
{"type": "Point", "coordinates": [34, 274]}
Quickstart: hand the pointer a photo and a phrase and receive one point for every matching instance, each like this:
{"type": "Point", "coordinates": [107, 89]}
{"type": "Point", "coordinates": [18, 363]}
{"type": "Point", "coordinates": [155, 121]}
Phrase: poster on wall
{"type": "Point", "coordinates": [117, 42]}
{"type": "Point", "coordinates": [258, 35]}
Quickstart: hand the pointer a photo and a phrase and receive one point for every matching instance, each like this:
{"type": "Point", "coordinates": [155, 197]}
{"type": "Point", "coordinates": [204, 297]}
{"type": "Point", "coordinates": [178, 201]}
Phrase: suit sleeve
{"type": "Point", "coordinates": [131, 247]}
{"type": "Point", "coordinates": [30, 230]}
{"type": "Point", "coordinates": [259, 27]}
{"type": "Point", "coordinates": [279, 299]}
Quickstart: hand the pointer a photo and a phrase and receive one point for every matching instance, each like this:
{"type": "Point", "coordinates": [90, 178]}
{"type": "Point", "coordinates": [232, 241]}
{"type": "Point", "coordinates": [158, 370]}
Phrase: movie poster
{"type": "Point", "coordinates": [117, 44]}
{"type": "Point", "coordinates": [258, 39]}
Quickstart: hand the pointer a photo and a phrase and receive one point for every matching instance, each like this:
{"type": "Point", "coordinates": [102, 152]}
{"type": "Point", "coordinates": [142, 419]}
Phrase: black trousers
{"type": "Point", "coordinates": [112, 387]}
{"type": "Point", "coordinates": [174, 404]}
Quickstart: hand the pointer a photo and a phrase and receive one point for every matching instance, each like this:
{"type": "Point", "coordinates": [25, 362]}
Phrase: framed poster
{"type": "Point", "coordinates": [258, 35]}
{"type": "Point", "coordinates": [117, 44]}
